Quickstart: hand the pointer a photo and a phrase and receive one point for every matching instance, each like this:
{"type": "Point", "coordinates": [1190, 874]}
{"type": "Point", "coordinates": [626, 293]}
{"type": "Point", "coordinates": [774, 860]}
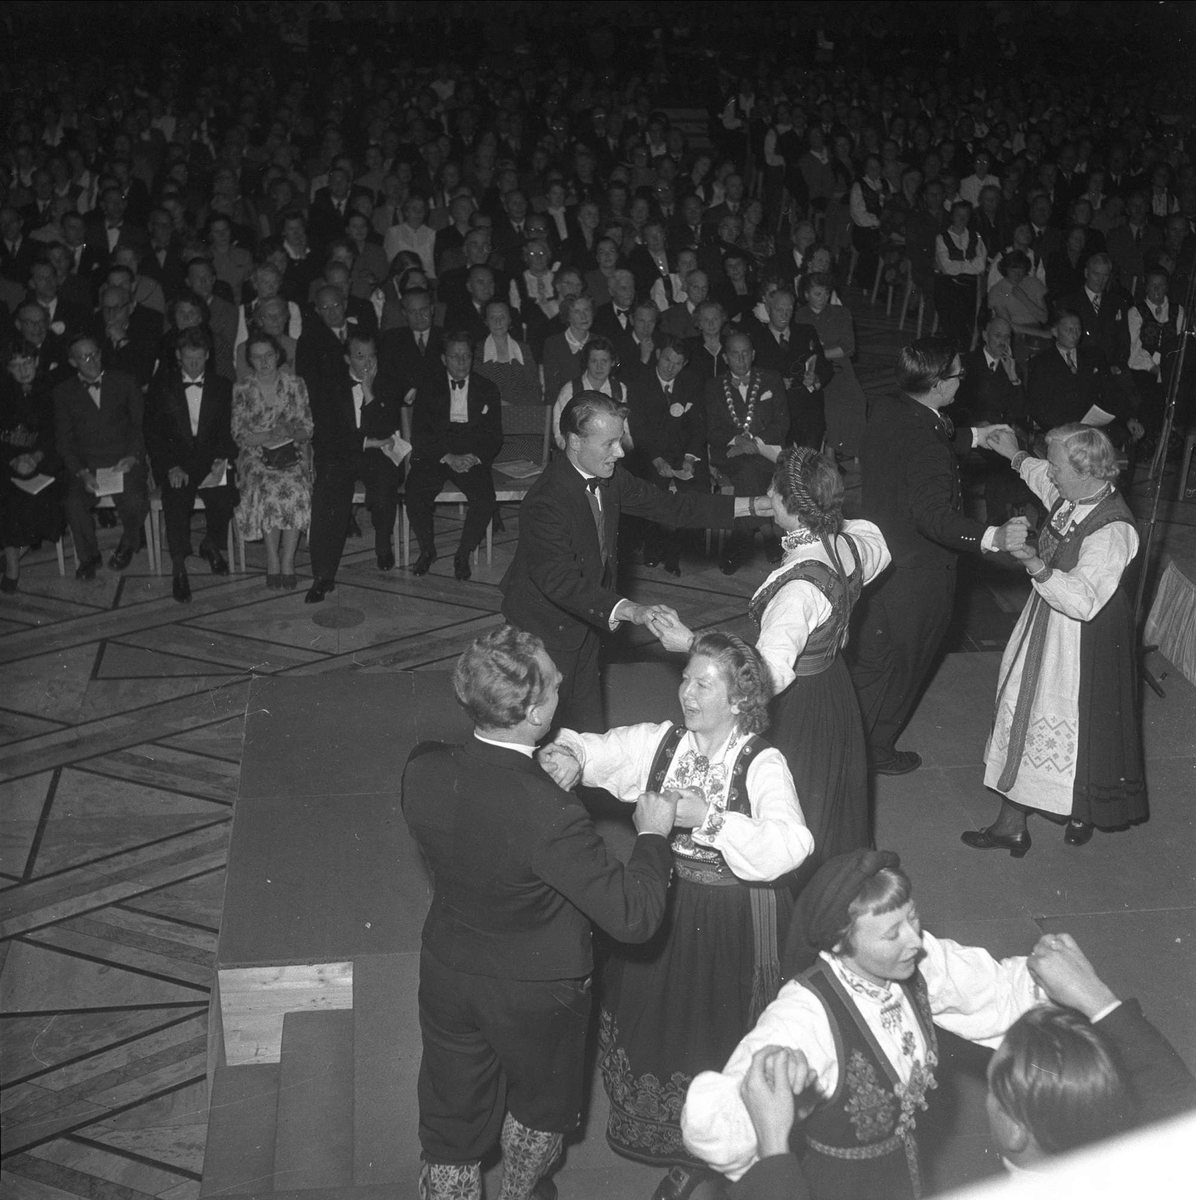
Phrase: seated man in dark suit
{"type": "Point", "coordinates": [469, 314]}
{"type": "Point", "coordinates": [98, 421]}
{"type": "Point", "coordinates": [794, 352]}
{"type": "Point", "coordinates": [17, 252]}
{"type": "Point", "coordinates": [614, 318]}
{"type": "Point", "coordinates": [456, 433]}
{"type": "Point", "coordinates": [33, 327]}
{"type": "Point", "coordinates": [1069, 379]}
{"type": "Point", "coordinates": [1104, 313]}
{"type": "Point", "coordinates": [746, 410]}
{"type": "Point", "coordinates": [355, 411]}
{"type": "Point", "coordinates": [67, 318]}
{"type": "Point", "coordinates": [407, 353]}
{"type": "Point", "coordinates": [668, 430]}
{"type": "Point", "coordinates": [129, 333]}
{"type": "Point", "coordinates": [991, 393]}
{"type": "Point", "coordinates": [519, 873]}
{"type": "Point", "coordinates": [223, 316]}
{"type": "Point", "coordinates": [188, 433]}
{"type": "Point", "coordinates": [109, 226]}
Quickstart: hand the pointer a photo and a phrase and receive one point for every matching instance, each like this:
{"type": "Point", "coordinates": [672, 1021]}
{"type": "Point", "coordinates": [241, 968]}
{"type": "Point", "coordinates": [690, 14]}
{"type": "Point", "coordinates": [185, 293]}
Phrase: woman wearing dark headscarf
{"type": "Point", "coordinates": [866, 989]}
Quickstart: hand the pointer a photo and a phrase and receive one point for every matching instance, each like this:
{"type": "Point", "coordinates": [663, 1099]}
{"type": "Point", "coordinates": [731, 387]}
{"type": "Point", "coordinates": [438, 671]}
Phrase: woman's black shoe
{"type": "Point", "coordinates": [679, 1183]}
{"type": "Point", "coordinates": [985, 839]}
{"type": "Point", "coordinates": [1078, 833]}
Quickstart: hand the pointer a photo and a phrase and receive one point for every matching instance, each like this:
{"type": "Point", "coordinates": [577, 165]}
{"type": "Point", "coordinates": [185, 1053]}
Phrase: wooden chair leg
{"type": "Point", "coordinates": [61, 557]}
{"type": "Point", "coordinates": [905, 299]}
{"type": "Point", "coordinates": [851, 264]}
{"type": "Point", "coordinates": [921, 312]}
{"type": "Point", "coordinates": [880, 270]}
{"type": "Point", "coordinates": [889, 302]}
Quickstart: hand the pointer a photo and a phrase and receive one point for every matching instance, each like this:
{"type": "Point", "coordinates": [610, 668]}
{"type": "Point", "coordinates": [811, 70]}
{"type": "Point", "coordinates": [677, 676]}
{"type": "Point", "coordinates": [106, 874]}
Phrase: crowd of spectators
{"type": "Point", "coordinates": [638, 186]}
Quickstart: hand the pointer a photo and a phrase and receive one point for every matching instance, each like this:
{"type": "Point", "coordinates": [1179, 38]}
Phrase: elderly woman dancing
{"type": "Point", "coordinates": [678, 1004]}
{"type": "Point", "coordinates": [1066, 738]}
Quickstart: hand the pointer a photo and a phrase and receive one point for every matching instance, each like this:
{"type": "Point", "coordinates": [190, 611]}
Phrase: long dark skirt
{"type": "Point", "coordinates": [1110, 784]}
{"type": "Point", "coordinates": [816, 725]}
{"type": "Point", "coordinates": [675, 1006]}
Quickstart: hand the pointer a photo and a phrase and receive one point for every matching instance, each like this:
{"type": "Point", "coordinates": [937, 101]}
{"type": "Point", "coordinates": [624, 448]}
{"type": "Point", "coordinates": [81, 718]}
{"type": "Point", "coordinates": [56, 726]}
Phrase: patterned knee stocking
{"type": "Point", "coordinates": [526, 1156]}
{"type": "Point", "coordinates": [450, 1181]}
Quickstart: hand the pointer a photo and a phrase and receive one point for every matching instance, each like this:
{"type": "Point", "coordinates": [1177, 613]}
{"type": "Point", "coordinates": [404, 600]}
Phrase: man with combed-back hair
{"type": "Point", "coordinates": [520, 876]}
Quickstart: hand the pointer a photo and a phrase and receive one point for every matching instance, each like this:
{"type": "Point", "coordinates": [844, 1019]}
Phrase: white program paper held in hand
{"type": "Point", "coordinates": [1096, 416]}
{"type": "Point", "coordinates": [216, 478]}
{"type": "Point", "coordinates": [396, 449]}
{"type": "Point", "coordinates": [34, 484]}
{"type": "Point", "coordinates": [109, 481]}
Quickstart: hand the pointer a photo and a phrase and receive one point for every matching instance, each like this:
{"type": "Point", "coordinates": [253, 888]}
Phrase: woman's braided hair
{"type": "Point", "coordinates": [810, 487]}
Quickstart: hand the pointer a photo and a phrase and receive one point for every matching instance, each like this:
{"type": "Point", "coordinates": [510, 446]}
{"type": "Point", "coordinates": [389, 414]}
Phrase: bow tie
{"type": "Point", "coordinates": [193, 383]}
{"type": "Point", "coordinates": [457, 383]}
{"type": "Point", "coordinates": [592, 485]}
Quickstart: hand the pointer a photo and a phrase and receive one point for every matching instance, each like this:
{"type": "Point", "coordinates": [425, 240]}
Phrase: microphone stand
{"type": "Point", "coordinates": [1156, 475]}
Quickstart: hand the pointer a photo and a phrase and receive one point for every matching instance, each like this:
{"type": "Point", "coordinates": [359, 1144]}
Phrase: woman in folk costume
{"type": "Point", "coordinates": [678, 1004]}
{"type": "Point", "coordinates": [1066, 738]}
{"type": "Point", "coordinates": [802, 610]}
{"type": "Point", "coordinates": [866, 989]}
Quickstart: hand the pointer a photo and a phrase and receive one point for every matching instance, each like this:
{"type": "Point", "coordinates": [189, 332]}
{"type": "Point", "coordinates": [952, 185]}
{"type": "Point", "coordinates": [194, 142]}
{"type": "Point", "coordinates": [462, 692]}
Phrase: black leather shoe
{"type": "Point", "coordinates": [319, 590]}
{"type": "Point", "coordinates": [8, 586]}
{"type": "Point", "coordinates": [1078, 833]}
{"type": "Point", "coordinates": [212, 556]}
{"type": "Point", "coordinates": [985, 839]}
{"type": "Point", "coordinates": [181, 587]}
{"type": "Point", "coordinates": [672, 567]}
{"type": "Point", "coordinates": [680, 1183]}
{"type": "Point", "coordinates": [461, 567]}
{"type": "Point", "coordinates": [651, 560]}
{"type": "Point", "coordinates": [386, 560]}
{"type": "Point", "coordinates": [730, 564]}
{"type": "Point", "coordinates": [902, 763]}
{"type": "Point", "coordinates": [424, 562]}
{"type": "Point", "coordinates": [121, 557]}
{"type": "Point", "coordinates": [87, 568]}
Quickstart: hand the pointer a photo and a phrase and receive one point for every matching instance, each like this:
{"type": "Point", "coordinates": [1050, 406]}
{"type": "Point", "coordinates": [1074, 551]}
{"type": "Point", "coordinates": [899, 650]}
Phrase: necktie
{"type": "Point", "coordinates": [668, 388]}
{"type": "Point", "coordinates": [340, 335]}
{"type": "Point", "coordinates": [1071, 361]}
{"type": "Point", "coordinates": [596, 509]}
{"type": "Point", "coordinates": [421, 340]}
{"type": "Point", "coordinates": [1096, 304]}
{"type": "Point", "coordinates": [948, 426]}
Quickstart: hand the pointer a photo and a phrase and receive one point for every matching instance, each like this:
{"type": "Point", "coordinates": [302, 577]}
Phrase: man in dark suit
{"type": "Point", "coordinates": [129, 334]}
{"type": "Point", "coordinates": [163, 262]}
{"type": "Point", "coordinates": [188, 433]}
{"type": "Point", "coordinates": [795, 353]}
{"type": "Point", "coordinates": [355, 413]}
{"type": "Point", "coordinates": [561, 583]}
{"type": "Point", "coordinates": [110, 228]}
{"type": "Point", "coordinates": [746, 410]}
{"type": "Point", "coordinates": [223, 316]}
{"type": "Point", "coordinates": [911, 485]}
{"type": "Point", "coordinates": [451, 287]}
{"type": "Point", "coordinates": [408, 352]}
{"type": "Point", "coordinates": [468, 315]}
{"type": "Point", "coordinates": [992, 393]}
{"type": "Point", "coordinates": [613, 319]}
{"type": "Point", "coordinates": [330, 206]}
{"type": "Point", "coordinates": [1104, 314]}
{"type": "Point", "coordinates": [456, 434]}
{"type": "Point", "coordinates": [33, 325]}
{"type": "Point", "coordinates": [1069, 378]}
{"type": "Point", "coordinates": [67, 318]}
{"type": "Point", "coordinates": [668, 430]}
{"type": "Point", "coordinates": [98, 420]}
{"type": "Point", "coordinates": [519, 874]}
{"type": "Point", "coordinates": [17, 252]}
